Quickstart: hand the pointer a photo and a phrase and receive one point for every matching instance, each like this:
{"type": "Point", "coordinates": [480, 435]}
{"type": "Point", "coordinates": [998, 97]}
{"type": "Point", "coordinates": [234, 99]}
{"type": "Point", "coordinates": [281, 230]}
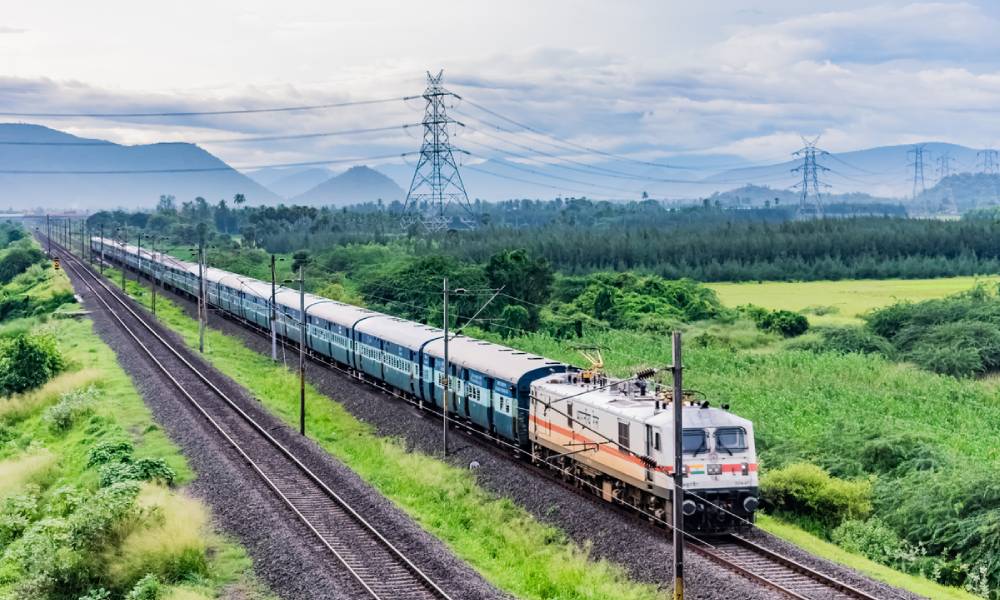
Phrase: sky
{"type": "Point", "coordinates": [653, 80]}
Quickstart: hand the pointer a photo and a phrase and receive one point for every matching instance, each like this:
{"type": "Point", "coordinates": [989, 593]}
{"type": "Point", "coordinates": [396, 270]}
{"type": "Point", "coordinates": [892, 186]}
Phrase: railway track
{"type": "Point", "coordinates": [380, 570]}
{"type": "Point", "coordinates": [778, 572]}
{"type": "Point", "coordinates": [736, 553]}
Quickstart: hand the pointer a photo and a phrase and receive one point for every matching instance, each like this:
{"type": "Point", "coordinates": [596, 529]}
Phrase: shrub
{"type": "Point", "coordinates": [144, 469]}
{"type": "Point", "coordinates": [26, 362]}
{"type": "Point", "coordinates": [109, 452]}
{"type": "Point", "coordinates": [806, 490]}
{"type": "Point", "coordinates": [17, 261]}
{"type": "Point", "coordinates": [72, 406]}
{"type": "Point", "coordinates": [855, 340]}
{"type": "Point", "coordinates": [147, 588]}
{"type": "Point", "coordinates": [960, 348]}
{"type": "Point", "coordinates": [784, 322]}
{"type": "Point", "coordinates": [873, 539]}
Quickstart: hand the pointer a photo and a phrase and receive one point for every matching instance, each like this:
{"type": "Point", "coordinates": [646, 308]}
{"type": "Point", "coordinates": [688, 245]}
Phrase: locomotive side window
{"type": "Point", "coordinates": [623, 436]}
{"type": "Point", "coordinates": [695, 441]}
{"type": "Point", "coordinates": [569, 414]}
{"type": "Point", "coordinates": [656, 440]}
{"type": "Point", "coordinates": [731, 439]}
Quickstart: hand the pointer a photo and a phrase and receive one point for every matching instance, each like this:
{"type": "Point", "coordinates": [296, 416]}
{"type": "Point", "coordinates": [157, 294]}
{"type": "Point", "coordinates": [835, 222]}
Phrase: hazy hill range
{"type": "Point", "coordinates": [290, 182]}
{"type": "Point", "coordinates": [25, 147]}
{"type": "Point", "coordinates": [354, 186]}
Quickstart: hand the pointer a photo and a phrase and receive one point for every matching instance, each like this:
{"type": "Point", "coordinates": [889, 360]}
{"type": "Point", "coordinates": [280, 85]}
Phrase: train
{"type": "Point", "coordinates": [614, 437]}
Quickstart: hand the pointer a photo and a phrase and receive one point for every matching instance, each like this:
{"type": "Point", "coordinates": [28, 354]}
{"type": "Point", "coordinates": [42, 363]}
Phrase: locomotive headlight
{"type": "Point", "coordinates": [750, 504]}
{"type": "Point", "coordinates": [715, 469]}
{"type": "Point", "coordinates": [689, 508]}
{"type": "Point", "coordinates": [745, 468]}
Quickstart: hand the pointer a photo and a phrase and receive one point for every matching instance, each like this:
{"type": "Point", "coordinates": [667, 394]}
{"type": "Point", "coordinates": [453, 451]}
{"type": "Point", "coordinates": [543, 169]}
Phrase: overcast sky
{"type": "Point", "coordinates": [651, 78]}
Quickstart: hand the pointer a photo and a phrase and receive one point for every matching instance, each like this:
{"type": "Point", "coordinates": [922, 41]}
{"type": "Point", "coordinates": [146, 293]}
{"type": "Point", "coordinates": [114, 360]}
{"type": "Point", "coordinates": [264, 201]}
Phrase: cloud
{"type": "Point", "coordinates": [11, 30]}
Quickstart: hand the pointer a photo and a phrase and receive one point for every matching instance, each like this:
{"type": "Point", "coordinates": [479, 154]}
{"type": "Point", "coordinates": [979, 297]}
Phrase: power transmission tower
{"type": "Point", "coordinates": [436, 181]}
{"type": "Point", "coordinates": [988, 162]}
{"type": "Point", "coordinates": [948, 204]}
{"type": "Point", "coordinates": [944, 165]}
{"type": "Point", "coordinates": [919, 184]}
{"type": "Point", "coordinates": [810, 194]}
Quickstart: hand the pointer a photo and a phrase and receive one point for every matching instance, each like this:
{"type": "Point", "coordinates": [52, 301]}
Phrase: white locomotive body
{"type": "Point", "coordinates": [619, 437]}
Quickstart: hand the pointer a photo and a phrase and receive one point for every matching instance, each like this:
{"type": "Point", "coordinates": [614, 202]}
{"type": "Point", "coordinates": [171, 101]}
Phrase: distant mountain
{"type": "Point", "coordinates": [354, 186]}
{"type": "Point", "coordinates": [961, 193]}
{"type": "Point", "coordinates": [881, 171]}
{"type": "Point", "coordinates": [289, 183]}
{"type": "Point", "coordinates": [36, 148]}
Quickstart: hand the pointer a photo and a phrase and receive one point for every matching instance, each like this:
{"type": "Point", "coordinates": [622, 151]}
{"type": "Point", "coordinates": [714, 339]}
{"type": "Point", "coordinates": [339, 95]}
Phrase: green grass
{"type": "Point", "coordinates": [512, 549]}
{"type": "Point", "coordinates": [842, 301]}
{"type": "Point", "coordinates": [832, 552]}
{"type": "Point", "coordinates": [799, 401]}
{"type": "Point", "coordinates": [33, 452]}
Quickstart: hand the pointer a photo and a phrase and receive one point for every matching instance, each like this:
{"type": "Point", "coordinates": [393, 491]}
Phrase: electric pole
{"type": "Point", "coordinates": [274, 315]}
{"type": "Point", "coordinates": [678, 499]}
{"type": "Point", "coordinates": [810, 196]}
{"type": "Point", "coordinates": [303, 328]}
{"type": "Point", "coordinates": [48, 234]}
{"type": "Point", "coordinates": [302, 349]}
{"type": "Point", "coordinates": [138, 257]}
{"type": "Point", "coordinates": [447, 376]}
{"type": "Point", "coordinates": [124, 230]}
{"type": "Point", "coordinates": [102, 249]}
{"type": "Point", "coordinates": [436, 181]}
{"type": "Point", "coordinates": [202, 308]}
{"type": "Point", "coordinates": [153, 264]}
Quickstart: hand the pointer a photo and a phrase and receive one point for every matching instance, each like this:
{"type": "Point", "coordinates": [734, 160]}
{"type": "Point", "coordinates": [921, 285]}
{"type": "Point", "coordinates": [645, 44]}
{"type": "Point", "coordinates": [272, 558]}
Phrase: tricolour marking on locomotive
{"type": "Point", "coordinates": [617, 435]}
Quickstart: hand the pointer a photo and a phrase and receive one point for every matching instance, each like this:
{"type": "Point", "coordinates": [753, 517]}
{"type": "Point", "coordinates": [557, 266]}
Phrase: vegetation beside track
{"type": "Point", "coordinates": [512, 549]}
{"type": "Point", "coordinates": [91, 490]}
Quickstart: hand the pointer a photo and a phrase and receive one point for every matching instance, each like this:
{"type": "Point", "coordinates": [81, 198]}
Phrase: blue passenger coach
{"type": "Point", "coordinates": [490, 383]}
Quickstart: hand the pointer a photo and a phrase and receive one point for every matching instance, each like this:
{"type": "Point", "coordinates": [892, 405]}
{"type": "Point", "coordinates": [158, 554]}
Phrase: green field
{"type": "Point", "coordinates": [841, 301]}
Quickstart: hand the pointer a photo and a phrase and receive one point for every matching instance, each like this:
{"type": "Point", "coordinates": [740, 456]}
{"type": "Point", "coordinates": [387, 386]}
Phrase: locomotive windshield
{"type": "Point", "coordinates": [731, 439]}
{"type": "Point", "coordinates": [695, 441]}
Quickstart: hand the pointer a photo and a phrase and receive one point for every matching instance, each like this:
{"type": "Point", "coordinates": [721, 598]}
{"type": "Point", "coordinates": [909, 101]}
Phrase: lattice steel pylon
{"type": "Point", "coordinates": [436, 183]}
{"type": "Point", "coordinates": [810, 196]}
{"type": "Point", "coordinates": [919, 183]}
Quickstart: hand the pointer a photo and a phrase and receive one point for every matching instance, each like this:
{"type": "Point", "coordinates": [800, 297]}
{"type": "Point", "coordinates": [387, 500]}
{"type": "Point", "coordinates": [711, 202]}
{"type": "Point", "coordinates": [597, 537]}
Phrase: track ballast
{"type": "Point", "coordinates": [380, 570]}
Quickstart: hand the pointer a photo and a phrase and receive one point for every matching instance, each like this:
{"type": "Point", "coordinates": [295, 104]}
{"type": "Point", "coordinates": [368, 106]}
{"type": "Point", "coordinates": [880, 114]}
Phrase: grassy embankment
{"type": "Point", "coordinates": [502, 541]}
{"type": "Point", "coordinates": [840, 302]}
{"type": "Point", "coordinates": [800, 401]}
{"type": "Point", "coordinates": [46, 442]}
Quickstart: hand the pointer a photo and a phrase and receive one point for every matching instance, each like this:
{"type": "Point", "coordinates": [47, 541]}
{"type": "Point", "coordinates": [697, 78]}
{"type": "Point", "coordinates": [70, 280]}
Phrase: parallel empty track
{"type": "Point", "coordinates": [778, 572]}
{"type": "Point", "coordinates": [380, 570]}
{"type": "Point", "coordinates": [742, 556]}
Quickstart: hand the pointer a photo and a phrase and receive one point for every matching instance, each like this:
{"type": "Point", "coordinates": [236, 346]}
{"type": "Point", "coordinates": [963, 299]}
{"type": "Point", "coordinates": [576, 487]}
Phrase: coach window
{"type": "Point", "coordinates": [623, 440]}
{"type": "Point", "coordinates": [569, 414]}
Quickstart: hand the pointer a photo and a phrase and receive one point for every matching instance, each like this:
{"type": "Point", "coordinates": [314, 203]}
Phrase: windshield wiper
{"type": "Point", "coordinates": [703, 446]}
{"type": "Point", "coordinates": [719, 444]}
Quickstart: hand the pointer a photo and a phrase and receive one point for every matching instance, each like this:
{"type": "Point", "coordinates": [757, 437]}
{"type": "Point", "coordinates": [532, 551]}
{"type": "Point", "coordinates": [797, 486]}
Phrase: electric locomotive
{"type": "Point", "coordinates": [614, 435]}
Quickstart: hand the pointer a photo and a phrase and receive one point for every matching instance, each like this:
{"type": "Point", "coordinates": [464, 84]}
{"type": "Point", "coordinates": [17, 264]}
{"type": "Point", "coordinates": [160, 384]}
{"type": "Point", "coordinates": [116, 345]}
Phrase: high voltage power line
{"type": "Point", "coordinates": [200, 113]}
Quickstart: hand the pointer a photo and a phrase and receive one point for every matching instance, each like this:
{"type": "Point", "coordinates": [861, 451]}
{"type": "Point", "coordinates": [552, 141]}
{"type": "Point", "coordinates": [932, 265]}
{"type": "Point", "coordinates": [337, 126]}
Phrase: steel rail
{"type": "Point", "coordinates": [715, 551]}
{"type": "Point", "coordinates": [80, 268]}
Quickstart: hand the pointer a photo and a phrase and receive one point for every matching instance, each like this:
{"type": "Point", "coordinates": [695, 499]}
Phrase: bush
{"type": "Point", "coordinates": [72, 406]}
{"type": "Point", "coordinates": [962, 348]}
{"type": "Point", "coordinates": [147, 588]}
{"type": "Point", "coordinates": [806, 490]}
{"type": "Point", "coordinates": [144, 469]}
{"type": "Point", "coordinates": [119, 451]}
{"type": "Point", "coordinates": [784, 322]}
{"type": "Point", "coordinates": [26, 362]}
{"type": "Point", "coordinates": [873, 539]}
{"type": "Point", "coordinates": [17, 261]}
{"type": "Point", "coordinates": [855, 340]}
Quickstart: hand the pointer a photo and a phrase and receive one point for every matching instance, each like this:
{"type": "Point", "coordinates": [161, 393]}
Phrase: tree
{"type": "Point", "coordinates": [17, 261]}
{"type": "Point", "coordinates": [523, 277]}
{"type": "Point", "coordinates": [166, 205]}
{"type": "Point", "coordinates": [239, 199]}
{"type": "Point", "coordinates": [27, 362]}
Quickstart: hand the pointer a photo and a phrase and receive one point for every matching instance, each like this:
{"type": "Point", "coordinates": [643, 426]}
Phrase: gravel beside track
{"type": "Point", "coordinates": [644, 551]}
{"type": "Point", "coordinates": [286, 554]}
